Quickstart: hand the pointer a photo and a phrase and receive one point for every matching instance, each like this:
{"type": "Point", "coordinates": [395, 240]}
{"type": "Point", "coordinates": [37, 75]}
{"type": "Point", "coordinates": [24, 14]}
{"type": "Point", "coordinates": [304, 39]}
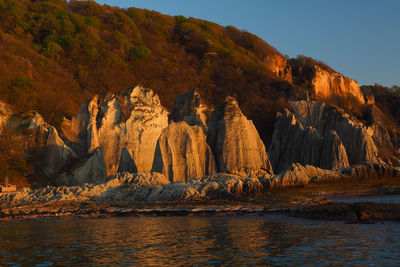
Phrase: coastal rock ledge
{"type": "Point", "coordinates": [152, 187]}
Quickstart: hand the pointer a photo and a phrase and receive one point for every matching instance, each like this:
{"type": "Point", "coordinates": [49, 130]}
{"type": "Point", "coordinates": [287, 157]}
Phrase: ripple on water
{"type": "Point", "coordinates": [275, 240]}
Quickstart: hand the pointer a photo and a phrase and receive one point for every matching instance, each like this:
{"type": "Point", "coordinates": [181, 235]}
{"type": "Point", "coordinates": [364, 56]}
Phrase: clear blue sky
{"type": "Point", "coordinates": [359, 38]}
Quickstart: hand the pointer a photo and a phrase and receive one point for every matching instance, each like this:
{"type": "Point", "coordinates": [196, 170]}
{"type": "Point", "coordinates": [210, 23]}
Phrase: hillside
{"type": "Point", "coordinates": [71, 51]}
{"type": "Point", "coordinates": [56, 55]}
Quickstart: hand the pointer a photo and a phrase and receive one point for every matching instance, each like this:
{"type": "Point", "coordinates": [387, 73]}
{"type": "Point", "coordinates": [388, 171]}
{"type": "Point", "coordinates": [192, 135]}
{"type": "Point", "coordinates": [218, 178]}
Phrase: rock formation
{"type": "Point", "coordinates": [89, 170]}
{"type": "Point", "coordinates": [294, 143]}
{"type": "Point", "coordinates": [327, 84]}
{"type": "Point", "coordinates": [183, 152]}
{"type": "Point", "coordinates": [235, 141]}
{"type": "Point", "coordinates": [150, 187]}
{"type": "Point", "coordinates": [53, 153]}
{"type": "Point", "coordinates": [318, 134]}
{"type": "Point", "coordinates": [190, 108]}
{"type": "Point", "coordinates": [279, 66]}
{"type": "Point", "coordinates": [125, 126]}
{"type": "Point", "coordinates": [232, 137]}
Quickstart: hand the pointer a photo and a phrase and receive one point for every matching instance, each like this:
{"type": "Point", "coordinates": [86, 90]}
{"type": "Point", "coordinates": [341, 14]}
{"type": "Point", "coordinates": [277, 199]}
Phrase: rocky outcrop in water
{"type": "Point", "coordinates": [319, 134]}
{"type": "Point", "coordinates": [235, 141]}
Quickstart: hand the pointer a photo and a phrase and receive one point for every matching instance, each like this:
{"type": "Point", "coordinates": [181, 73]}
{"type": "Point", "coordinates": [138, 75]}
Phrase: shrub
{"type": "Point", "coordinates": [139, 52]}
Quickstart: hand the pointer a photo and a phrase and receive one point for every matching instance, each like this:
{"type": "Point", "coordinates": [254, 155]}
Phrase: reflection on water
{"type": "Point", "coordinates": [393, 199]}
{"type": "Point", "coordinates": [275, 240]}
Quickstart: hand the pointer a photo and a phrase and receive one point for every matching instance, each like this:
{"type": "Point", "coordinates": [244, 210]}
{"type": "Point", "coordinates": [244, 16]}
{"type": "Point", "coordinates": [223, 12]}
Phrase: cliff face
{"type": "Point", "coordinates": [130, 122]}
{"type": "Point", "coordinates": [183, 153]}
{"type": "Point", "coordinates": [235, 141]}
{"type": "Point", "coordinates": [330, 84]}
{"type": "Point", "coordinates": [190, 108]}
{"type": "Point", "coordinates": [318, 134]}
{"type": "Point", "coordinates": [130, 132]}
{"type": "Point", "coordinates": [295, 143]}
{"type": "Point", "coordinates": [279, 66]}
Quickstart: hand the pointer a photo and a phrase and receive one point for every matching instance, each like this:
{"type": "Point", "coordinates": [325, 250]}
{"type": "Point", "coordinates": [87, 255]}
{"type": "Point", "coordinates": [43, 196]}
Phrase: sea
{"type": "Point", "coordinates": [272, 240]}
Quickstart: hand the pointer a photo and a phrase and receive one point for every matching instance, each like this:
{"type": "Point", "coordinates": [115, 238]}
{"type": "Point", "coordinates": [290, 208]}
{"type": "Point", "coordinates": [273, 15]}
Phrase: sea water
{"type": "Point", "coordinates": [197, 241]}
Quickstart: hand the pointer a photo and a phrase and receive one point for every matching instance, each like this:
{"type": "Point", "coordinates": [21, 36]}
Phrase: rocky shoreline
{"type": "Point", "coordinates": [308, 207]}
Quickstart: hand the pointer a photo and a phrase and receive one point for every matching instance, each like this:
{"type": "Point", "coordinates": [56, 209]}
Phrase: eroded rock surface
{"type": "Point", "coordinates": [183, 152]}
{"type": "Point", "coordinates": [125, 126]}
{"type": "Point", "coordinates": [327, 84]}
{"type": "Point", "coordinates": [190, 108]}
{"type": "Point", "coordinates": [88, 170]}
{"type": "Point", "coordinates": [151, 187]}
{"type": "Point", "coordinates": [320, 135]}
{"type": "Point", "coordinates": [235, 141]}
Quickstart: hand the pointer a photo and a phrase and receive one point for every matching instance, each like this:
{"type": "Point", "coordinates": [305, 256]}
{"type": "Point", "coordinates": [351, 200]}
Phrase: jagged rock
{"type": "Point", "coordinates": [183, 153]}
{"type": "Point", "coordinates": [190, 108]}
{"type": "Point", "coordinates": [333, 154]}
{"type": "Point", "coordinates": [279, 66]}
{"type": "Point", "coordinates": [356, 138]}
{"type": "Point", "coordinates": [235, 141]}
{"type": "Point", "coordinates": [299, 175]}
{"type": "Point", "coordinates": [132, 120]}
{"type": "Point", "coordinates": [152, 187]}
{"type": "Point", "coordinates": [54, 154]}
{"type": "Point", "coordinates": [327, 84]}
{"type": "Point", "coordinates": [91, 170]}
{"type": "Point", "coordinates": [126, 163]}
{"type": "Point", "coordinates": [294, 143]}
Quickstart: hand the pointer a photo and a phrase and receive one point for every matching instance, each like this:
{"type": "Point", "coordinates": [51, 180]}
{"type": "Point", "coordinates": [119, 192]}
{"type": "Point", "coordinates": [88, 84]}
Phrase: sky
{"type": "Point", "coordinates": [358, 38]}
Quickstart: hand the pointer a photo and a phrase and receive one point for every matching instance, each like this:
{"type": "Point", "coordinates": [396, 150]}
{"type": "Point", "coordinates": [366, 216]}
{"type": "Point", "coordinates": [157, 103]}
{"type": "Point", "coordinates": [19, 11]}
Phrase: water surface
{"type": "Point", "coordinates": [159, 241]}
{"type": "Point", "coordinates": [393, 199]}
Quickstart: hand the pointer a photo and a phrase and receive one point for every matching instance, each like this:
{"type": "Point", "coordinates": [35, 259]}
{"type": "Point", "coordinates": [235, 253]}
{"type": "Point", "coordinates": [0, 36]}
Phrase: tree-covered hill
{"type": "Point", "coordinates": [56, 54]}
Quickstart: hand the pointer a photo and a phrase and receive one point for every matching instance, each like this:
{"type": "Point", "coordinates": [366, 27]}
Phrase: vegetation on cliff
{"type": "Point", "coordinates": [57, 54]}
